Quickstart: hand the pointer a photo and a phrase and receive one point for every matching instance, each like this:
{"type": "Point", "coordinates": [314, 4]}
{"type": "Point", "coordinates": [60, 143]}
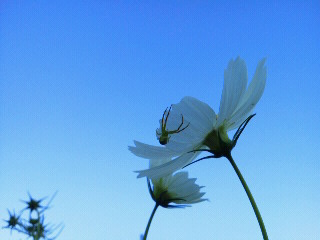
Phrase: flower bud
{"type": "Point", "coordinates": [13, 220]}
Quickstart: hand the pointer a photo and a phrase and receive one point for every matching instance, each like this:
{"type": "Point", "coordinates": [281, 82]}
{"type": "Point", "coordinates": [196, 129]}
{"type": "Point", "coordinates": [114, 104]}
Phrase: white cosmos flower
{"type": "Point", "coordinates": [177, 188]}
{"type": "Point", "coordinates": [206, 130]}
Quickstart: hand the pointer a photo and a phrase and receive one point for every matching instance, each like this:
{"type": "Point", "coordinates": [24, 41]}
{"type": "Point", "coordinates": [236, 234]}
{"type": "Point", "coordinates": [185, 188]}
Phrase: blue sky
{"type": "Point", "coordinates": [80, 81]}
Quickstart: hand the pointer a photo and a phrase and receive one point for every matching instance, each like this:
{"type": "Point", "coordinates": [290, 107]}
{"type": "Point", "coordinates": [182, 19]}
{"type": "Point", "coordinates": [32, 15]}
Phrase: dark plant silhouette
{"type": "Point", "coordinates": [34, 226]}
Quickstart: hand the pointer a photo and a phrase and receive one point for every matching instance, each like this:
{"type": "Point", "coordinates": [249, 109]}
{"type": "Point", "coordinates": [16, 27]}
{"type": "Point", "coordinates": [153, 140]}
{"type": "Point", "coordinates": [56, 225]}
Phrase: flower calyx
{"type": "Point", "coordinates": [218, 142]}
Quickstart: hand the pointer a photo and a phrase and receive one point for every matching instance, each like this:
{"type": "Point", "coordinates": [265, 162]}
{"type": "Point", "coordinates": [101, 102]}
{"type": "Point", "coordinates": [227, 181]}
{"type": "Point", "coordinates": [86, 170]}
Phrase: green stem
{"type": "Point", "coordinates": [253, 203]}
{"type": "Point", "coordinates": [150, 220]}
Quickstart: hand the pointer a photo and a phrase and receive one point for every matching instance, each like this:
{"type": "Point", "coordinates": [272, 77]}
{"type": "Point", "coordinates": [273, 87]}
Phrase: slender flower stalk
{"type": "Point", "coordinates": [253, 203]}
{"type": "Point", "coordinates": [150, 220]}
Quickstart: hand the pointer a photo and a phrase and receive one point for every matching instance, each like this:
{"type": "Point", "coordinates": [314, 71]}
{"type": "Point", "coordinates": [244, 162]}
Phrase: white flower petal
{"type": "Point", "coordinates": [151, 152]}
{"type": "Point", "coordinates": [191, 130]}
{"type": "Point", "coordinates": [251, 96]}
{"type": "Point", "coordinates": [192, 119]}
{"type": "Point", "coordinates": [179, 178]}
{"type": "Point", "coordinates": [195, 118]}
{"type": "Point", "coordinates": [235, 83]}
{"type": "Point", "coordinates": [186, 140]}
{"type": "Point", "coordinates": [184, 188]}
{"type": "Point", "coordinates": [190, 189]}
{"type": "Point", "coordinates": [196, 199]}
{"type": "Point", "coordinates": [158, 161]}
{"type": "Point", "coordinates": [197, 113]}
{"type": "Point", "coordinates": [169, 167]}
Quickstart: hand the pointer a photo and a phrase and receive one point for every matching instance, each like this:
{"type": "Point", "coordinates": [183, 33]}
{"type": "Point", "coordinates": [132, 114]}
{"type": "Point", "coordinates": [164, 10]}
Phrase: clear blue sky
{"type": "Point", "coordinates": [79, 81]}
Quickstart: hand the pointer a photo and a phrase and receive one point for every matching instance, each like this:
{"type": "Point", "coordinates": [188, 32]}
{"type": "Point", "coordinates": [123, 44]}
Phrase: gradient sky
{"type": "Point", "coordinates": [80, 80]}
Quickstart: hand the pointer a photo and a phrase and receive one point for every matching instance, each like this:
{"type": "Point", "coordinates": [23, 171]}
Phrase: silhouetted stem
{"type": "Point", "coordinates": [150, 220]}
{"type": "Point", "coordinates": [253, 203]}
